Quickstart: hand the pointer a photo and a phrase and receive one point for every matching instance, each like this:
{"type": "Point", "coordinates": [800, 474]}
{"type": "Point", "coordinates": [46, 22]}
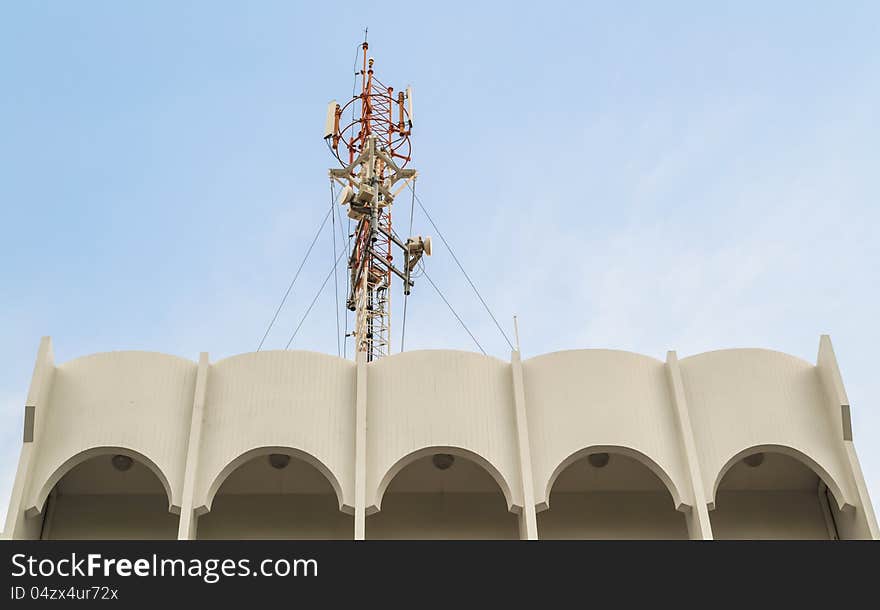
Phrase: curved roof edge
{"type": "Point", "coordinates": [122, 352]}
{"type": "Point", "coordinates": [748, 349]}
{"type": "Point", "coordinates": [593, 350]}
{"type": "Point", "coordinates": [444, 351]}
{"type": "Point", "coordinates": [291, 352]}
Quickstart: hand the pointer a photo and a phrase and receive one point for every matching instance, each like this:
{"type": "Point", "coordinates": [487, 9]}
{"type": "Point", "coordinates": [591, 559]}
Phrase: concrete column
{"type": "Point", "coordinates": [864, 521]}
{"type": "Point", "coordinates": [49, 515]}
{"type": "Point", "coordinates": [528, 519]}
{"type": "Point", "coordinates": [699, 525]}
{"type": "Point", "coordinates": [868, 516]}
{"type": "Point", "coordinates": [188, 519]}
{"type": "Point", "coordinates": [360, 449]}
{"type": "Point", "coordinates": [18, 526]}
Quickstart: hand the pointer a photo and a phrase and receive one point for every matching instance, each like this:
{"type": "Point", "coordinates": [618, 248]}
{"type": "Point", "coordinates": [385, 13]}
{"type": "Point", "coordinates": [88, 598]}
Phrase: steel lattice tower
{"type": "Point", "coordinates": [374, 149]}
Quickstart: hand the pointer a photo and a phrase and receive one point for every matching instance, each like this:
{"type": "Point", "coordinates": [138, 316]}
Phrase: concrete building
{"type": "Point", "coordinates": [741, 443]}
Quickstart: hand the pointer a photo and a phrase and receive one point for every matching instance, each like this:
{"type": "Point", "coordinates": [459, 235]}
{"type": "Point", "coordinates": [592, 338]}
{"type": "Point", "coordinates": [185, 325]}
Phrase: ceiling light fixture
{"type": "Point", "coordinates": [279, 461]}
{"type": "Point", "coordinates": [122, 462]}
{"type": "Point", "coordinates": [754, 460]}
{"type": "Point", "coordinates": [442, 461]}
{"type": "Point", "coordinates": [598, 460]}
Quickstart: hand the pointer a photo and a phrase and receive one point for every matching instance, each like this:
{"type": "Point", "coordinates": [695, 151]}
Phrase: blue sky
{"type": "Point", "coordinates": [645, 177]}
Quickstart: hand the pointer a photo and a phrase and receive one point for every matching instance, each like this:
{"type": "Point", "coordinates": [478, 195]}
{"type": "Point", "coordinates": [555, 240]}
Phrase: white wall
{"type": "Point", "coordinates": [137, 400]}
{"type": "Point", "coordinates": [422, 399]}
{"type": "Point", "coordinates": [422, 402]}
{"type": "Point", "coordinates": [600, 398]}
{"type": "Point", "coordinates": [298, 400]}
{"type": "Point", "coordinates": [744, 398]}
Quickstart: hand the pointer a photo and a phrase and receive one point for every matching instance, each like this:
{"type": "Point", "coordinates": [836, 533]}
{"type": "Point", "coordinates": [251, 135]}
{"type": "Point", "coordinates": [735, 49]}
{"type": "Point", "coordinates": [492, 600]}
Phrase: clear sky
{"type": "Point", "coordinates": [636, 176]}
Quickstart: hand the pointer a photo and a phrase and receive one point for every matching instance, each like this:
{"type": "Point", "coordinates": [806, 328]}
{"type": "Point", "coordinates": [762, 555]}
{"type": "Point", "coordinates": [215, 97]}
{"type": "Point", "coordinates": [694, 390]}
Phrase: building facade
{"type": "Point", "coordinates": [740, 443]}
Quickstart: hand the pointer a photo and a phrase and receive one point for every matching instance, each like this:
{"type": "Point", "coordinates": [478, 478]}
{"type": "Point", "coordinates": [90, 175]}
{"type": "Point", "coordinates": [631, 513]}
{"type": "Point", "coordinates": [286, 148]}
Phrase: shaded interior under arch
{"type": "Point", "coordinates": [97, 501]}
{"type": "Point", "coordinates": [460, 501]}
{"type": "Point", "coordinates": [612, 496]}
{"type": "Point", "coordinates": [768, 495]}
{"type": "Point", "coordinates": [259, 501]}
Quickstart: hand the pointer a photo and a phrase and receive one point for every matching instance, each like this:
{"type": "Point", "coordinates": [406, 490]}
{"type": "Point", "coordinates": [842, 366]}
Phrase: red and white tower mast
{"type": "Point", "coordinates": [373, 147]}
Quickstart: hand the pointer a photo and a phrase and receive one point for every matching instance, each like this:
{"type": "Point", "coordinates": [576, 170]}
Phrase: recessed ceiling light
{"type": "Point", "coordinates": [598, 460]}
{"type": "Point", "coordinates": [279, 460]}
{"type": "Point", "coordinates": [442, 461]}
{"type": "Point", "coordinates": [122, 462]}
{"type": "Point", "coordinates": [754, 460]}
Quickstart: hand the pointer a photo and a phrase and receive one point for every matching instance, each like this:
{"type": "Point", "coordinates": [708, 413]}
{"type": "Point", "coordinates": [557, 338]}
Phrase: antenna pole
{"type": "Point", "coordinates": [374, 150]}
{"type": "Point", "coordinates": [516, 332]}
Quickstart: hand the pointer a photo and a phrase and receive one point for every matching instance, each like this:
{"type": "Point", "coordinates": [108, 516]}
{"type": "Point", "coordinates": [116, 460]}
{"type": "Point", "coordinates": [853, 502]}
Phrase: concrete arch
{"type": "Point", "coordinates": [296, 400]}
{"type": "Point", "coordinates": [452, 450]}
{"type": "Point", "coordinates": [256, 452]}
{"type": "Point", "coordinates": [40, 501]}
{"type": "Point", "coordinates": [441, 398]}
{"type": "Point", "coordinates": [803, 458]}
{"type": "Point", "coordinates": [619, 450]}
{"type": "Point", "coordinates": [601, 398]}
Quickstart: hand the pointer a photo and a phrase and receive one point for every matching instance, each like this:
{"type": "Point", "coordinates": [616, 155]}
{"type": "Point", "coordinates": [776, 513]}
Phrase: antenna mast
{"type": "Point", "coordinates": [374, 149]}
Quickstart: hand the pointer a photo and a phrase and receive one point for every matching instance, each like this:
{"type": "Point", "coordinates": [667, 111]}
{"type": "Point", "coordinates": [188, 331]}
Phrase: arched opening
{"type": "Point", "coordinates": [274, 494]}
{"type": "Point", "coordinates": [442, 495]}
{"type": "Point", "coordinates": [602, 494]}
{"type": "Point", "coordinates": [766, 494]}
{"type": "Point", "coordinates": [109, 496]}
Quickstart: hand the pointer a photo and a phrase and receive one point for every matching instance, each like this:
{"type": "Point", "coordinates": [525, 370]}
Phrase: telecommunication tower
{"type": "Point", "coordinates": [373, 146]}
